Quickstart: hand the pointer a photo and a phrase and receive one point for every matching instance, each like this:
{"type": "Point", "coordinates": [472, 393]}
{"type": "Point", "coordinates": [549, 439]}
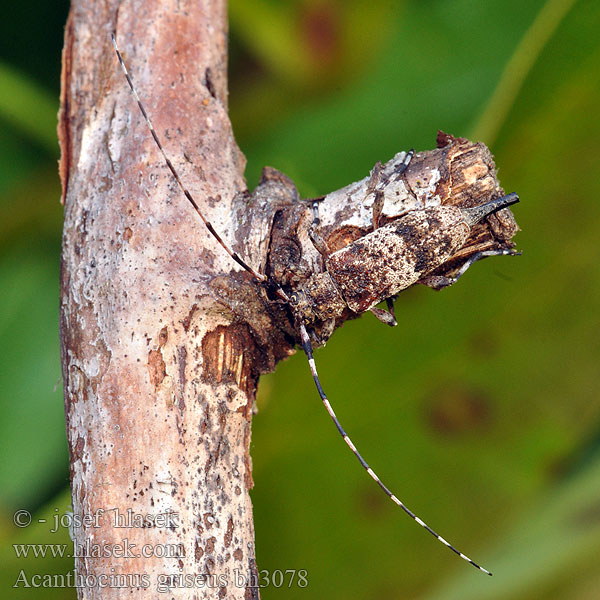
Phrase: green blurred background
{"type": "Point", "coordinates": [481, 410]}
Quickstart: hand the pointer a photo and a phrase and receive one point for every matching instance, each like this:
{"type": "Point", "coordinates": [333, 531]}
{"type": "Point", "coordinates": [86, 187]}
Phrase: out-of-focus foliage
{"type": "Point", "coordinates": [481, 410]}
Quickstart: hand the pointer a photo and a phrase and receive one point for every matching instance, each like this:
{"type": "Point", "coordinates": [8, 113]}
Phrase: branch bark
{"type": "Point", "coordinates": [163, 337]}
{"type": "Point", "coordinates": [159, 381]}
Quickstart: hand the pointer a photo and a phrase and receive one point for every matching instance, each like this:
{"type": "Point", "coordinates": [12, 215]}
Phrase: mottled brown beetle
{"type": "Point", "coordinates": [390, 259]}
{"type": "Point", "coordinates": [369, 269]}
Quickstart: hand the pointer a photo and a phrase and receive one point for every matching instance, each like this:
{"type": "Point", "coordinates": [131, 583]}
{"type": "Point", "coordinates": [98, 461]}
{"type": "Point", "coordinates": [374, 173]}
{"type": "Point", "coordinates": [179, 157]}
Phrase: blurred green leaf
{"type": "Point", "coordinates": [558, 539]}
{"type": "Point", "coordinates": [269, 30]}
{"type": "Point", "coordinates": [295, 51]}
{"type": "Point", "coordinates": [312, 42]}
{"type": "Point", "coordinates": [32, 434]}
{"type": "Point", "coordinates": [29, 107]}
{"type": "Point", "coordinates": [30, 207]}
{"type": "Point", "coordinates": [517, 68]}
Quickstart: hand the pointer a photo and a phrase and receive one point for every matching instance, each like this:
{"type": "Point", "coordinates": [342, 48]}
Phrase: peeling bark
{"type": "Point", "coordinates": [163, 336]}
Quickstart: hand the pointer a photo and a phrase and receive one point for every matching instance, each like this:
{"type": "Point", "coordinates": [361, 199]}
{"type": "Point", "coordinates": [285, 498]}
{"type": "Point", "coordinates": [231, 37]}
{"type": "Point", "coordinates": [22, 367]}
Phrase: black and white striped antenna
{"type": "Point", "coordinates": [305, 340]}
{"type": "Point", "coordinates": [307, 347]}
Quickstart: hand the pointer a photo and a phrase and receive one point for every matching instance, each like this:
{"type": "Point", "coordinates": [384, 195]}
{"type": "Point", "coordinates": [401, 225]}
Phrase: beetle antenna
{"type": "Point", "coordinates": [189, 197]}
{"type": "Point", "coordinates": [476, 213]}
{"type": "Point", "coordinates": [307, 347]}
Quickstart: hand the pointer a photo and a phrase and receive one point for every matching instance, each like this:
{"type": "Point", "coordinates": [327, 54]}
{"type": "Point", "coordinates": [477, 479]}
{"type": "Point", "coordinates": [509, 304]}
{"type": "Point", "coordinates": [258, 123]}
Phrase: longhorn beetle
{"type": "Point", "coordinates": [369, 270]}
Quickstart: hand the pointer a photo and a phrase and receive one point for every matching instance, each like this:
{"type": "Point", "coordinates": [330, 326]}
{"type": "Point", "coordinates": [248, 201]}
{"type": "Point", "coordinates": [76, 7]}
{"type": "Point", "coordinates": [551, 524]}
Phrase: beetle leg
{"type": "Point", "coordinates": [384, 316]}
{"type": "Point", "coordinates": [315, 237]}
{"type": "Point", "coordinates": [390, 304]}
{"type": "Point", "coordinates": [319, 243]}
{"type": "Point", "coordinates": [377, 208]}
{"type": "Point", "coordinates": [375, 179]}
{"type": "Point", "coordinates": [315, 211]}
{"type": "Point", "coordinates": [401, 168]}
{"type": "Point", "coordinates": [439, 282]}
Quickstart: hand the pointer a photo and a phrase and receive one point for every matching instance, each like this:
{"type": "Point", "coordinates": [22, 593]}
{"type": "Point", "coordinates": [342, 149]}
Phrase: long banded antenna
{"type": "Point", "coordinates": [307, 347]}
{"type": "Point", "coordinates": [191, 200]}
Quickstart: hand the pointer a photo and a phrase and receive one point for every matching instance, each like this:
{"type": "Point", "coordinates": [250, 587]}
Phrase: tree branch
{"type": "Point", "coordinates": [159, 383]}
